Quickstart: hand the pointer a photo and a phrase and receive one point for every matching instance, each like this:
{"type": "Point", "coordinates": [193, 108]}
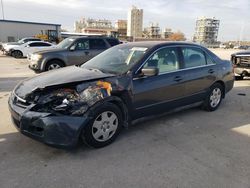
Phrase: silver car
{"type": "Point", "coordinates": [71, 51]}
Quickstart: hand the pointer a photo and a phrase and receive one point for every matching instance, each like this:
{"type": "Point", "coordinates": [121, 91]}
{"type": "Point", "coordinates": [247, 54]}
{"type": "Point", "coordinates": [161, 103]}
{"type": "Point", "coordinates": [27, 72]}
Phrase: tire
{"type": "Point", "coordinates": [104, 127]}
{"type": "Point", "coordinates": [17, 54]}
{"type": "Point", "coordinates": [54, 64]}
{"type": "Point", "coordinates": [214, 97]}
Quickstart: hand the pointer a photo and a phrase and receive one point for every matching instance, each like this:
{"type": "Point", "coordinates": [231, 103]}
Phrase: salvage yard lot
{"type": "Point", "coordinates": [191, 148]}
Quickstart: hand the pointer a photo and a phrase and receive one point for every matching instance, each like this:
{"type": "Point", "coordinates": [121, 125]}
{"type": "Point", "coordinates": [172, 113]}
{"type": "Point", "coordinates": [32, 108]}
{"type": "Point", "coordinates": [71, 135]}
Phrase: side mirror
{"type": "Point", "coordinates": [150, 71]}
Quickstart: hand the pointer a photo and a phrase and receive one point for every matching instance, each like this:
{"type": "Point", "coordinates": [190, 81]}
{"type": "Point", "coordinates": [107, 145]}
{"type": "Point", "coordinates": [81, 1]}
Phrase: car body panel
{"type": "Point", "coordinates": [136, 95]}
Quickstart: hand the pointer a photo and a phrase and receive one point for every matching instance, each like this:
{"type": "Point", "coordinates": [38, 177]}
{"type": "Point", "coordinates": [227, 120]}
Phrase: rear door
{"type": "Point", "coordinates": [156, 94]}
{"type": "Point", "coordinates": [200, 71]}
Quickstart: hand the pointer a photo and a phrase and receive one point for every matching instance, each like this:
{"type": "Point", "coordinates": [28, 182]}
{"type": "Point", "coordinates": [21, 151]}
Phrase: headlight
{"type": "Point", "coordinates": [36, 57]}
{"type": "Point", "coordinates": [74, 101]}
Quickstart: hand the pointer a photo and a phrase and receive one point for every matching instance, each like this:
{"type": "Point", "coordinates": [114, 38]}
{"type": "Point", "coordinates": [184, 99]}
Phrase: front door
{"type": "Point", "coordinates": [157, 93]}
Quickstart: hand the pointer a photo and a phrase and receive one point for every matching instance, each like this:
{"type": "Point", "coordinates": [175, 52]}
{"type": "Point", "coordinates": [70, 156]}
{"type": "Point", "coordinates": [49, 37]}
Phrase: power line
{"type": "Point", "coordinates": [2, 9]}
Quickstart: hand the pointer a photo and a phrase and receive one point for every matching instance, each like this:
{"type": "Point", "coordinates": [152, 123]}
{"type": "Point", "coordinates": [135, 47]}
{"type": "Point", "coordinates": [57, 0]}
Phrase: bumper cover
{"type": "Point", "coordinates": [59, 131]}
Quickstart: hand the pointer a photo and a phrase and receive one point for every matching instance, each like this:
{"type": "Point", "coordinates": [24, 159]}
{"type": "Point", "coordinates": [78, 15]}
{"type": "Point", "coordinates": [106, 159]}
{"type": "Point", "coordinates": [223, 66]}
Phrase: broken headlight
{"type": "Point", "coordinates": [74, 101]}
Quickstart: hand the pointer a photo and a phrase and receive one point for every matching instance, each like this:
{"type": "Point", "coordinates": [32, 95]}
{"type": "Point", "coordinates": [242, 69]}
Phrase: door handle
{"type": "Point", "coordinates": [178, 78]}
{"type": "Point", "coordinates": [211, 71]}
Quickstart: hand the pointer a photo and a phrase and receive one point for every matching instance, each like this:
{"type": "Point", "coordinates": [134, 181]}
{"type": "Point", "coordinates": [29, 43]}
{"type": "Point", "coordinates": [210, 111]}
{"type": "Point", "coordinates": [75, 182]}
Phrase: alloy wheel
{"type": "Point", "coordinates": [215, 97]}
{"type": "Point", "coordinates": [105, 126]}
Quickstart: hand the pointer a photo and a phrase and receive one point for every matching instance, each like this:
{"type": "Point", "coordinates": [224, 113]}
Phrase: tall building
{"type": "Point", "coordinates": [206, 31]}
{"type": "Point", "coordinates": [135, 22]}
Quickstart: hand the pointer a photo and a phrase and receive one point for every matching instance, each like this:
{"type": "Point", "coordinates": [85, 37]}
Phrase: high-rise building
{"type": "Point", "coordinates": [206, 31]}
{"type": "Point", "coordinates": [135, 22]}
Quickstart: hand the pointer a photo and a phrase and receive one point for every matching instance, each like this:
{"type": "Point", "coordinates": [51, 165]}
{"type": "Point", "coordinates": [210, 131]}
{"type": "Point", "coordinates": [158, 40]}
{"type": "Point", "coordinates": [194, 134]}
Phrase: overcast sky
{"type": "Point", "coordinates": [176, 14]}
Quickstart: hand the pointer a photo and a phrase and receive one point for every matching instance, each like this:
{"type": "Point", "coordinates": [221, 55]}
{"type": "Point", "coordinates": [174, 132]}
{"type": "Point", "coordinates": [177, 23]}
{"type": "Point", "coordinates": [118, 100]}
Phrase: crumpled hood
{"type": "Point", "coordinates": [58, 77]}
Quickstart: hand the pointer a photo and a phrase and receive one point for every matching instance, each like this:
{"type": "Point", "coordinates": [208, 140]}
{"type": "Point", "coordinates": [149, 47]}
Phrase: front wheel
{"type": "Point", "coordinates": [54, 64]}
{"type": "Point", "coordinates": [104, 127]}
{"type": "Point", "coordinates": [17, 54]}
{"type": "Point", "coordinates": [214, 97]}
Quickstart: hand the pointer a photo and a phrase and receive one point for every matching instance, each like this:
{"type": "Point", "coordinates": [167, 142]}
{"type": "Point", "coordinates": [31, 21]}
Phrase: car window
{"type": "Point", "coordinates": [112, 42]}
{"type": "Point", "coordinates": [193, 57]}
{"type": "Point", "coordinates": [97, 44]}
{"type": "Point", "coordinates": [166, 60]}
{"type": "Point", "coordinates": [209, 60]}
{"type": "Point", "coordinates": [82, 44]}
{"type": "Point", "coordinates": [39, 44]}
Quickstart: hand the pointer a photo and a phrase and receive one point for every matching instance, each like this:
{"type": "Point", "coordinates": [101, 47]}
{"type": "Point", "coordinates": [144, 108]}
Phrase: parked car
{"type": "Point", "coordinates": [71, 51]}
{"type": "Point", "coordinates": [129, 81]}
{"type": "Point", "coordinates": [241, 62]}
{"type": "Point", "coordinates": [7, 46]}
{"type": "Point", "coordinates": [30, 47]}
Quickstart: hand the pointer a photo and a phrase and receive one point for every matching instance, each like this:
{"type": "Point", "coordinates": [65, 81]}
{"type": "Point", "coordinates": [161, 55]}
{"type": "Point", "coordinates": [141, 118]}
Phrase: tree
{"type": "Point", "coordinates": [177, 36]}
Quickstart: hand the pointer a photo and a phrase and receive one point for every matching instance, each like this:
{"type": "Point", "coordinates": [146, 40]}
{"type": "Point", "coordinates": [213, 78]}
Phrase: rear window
{"type": "Point", "coordinates": [113, 42]}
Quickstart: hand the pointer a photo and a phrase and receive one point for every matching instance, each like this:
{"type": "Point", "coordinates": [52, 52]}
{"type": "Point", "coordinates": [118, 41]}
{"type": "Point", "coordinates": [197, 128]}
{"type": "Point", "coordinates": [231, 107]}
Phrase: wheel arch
{"type": "Point", "coordinates": [44, 64]}
{"type": "Point", "coordinates": [223, 87]}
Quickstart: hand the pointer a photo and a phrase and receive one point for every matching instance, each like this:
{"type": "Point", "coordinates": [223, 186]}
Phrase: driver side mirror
{"type": "Point", "coordinates": [150, 71]}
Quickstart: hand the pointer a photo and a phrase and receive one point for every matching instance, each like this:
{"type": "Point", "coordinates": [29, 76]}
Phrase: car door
{"type": "Point", "coordinates": [79, 52]}
{"type": "Point", "coordinates": [158, 93]}
{"type": "Point", "coordinates": [200, 72]}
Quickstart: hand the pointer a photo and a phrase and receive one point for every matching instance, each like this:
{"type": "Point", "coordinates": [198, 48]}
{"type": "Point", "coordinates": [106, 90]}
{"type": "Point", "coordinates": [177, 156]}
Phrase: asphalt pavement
{"type": "Point", "coordinates": [191, 148]}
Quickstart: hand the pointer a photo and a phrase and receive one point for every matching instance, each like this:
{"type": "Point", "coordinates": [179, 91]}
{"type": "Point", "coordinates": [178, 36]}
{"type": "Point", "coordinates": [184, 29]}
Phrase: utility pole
{"type": "Point", "coordinates": [2, 9]}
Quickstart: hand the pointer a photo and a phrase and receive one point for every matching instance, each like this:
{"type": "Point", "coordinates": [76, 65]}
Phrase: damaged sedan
{"type": "Point", "coordinates": [129, 81]}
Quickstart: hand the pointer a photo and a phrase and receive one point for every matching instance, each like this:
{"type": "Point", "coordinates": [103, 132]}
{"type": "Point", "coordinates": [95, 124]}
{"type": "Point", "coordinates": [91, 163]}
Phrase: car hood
{"type": "Point", "coordinates": [247, 52]}
{"type": "Point", "coordinates": [60, 77]}
{"type": "Point", "coordinates": [52, 50]}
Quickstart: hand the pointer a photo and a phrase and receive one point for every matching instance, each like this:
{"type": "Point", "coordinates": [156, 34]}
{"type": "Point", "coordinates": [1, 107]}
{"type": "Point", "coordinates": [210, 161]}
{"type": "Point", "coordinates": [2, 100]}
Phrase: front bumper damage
{"type": "Point", "coordinates": [60, 131]}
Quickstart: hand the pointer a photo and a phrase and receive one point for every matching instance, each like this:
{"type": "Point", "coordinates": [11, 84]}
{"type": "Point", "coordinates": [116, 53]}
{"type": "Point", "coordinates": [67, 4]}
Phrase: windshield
{"type": "Point", "coordinates": [21, 41]}
{"type": "Point", "coordinates": [65, 43]}
{"type": "Point", "coordinates": [116, 60]}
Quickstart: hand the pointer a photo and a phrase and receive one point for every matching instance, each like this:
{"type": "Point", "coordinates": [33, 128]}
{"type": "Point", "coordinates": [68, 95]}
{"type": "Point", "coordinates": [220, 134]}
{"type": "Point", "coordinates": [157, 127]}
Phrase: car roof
{"type": "Point", "coordinates": [92, 36]}
{"type": "Point", "coordinates": [157, 44]}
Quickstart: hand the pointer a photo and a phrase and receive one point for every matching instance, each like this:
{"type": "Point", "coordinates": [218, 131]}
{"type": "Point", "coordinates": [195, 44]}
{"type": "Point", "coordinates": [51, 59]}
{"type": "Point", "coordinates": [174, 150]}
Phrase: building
{"type": "Point", "coordinates": [167, 33]}
{"type": "Point", "coordinates": [11, 30]}
{"type": "Point", "coordinates": [153, 31]}
{"type": "Point", "coordinates": [94, 26]}
{"type": "Point", "coordinates": [121, 27]}
{"type": "Point", "coordinates": [206, 31]}
{"type": "Point", "coordinates": [135, 22]}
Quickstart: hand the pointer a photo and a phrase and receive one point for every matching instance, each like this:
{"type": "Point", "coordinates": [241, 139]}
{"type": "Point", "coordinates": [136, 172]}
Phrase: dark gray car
{"type": "Point", "coordinates": [71, 51]}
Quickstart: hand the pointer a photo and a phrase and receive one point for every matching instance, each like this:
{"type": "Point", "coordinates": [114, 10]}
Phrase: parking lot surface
{"type": "Point", "coordinates": [191, 148]}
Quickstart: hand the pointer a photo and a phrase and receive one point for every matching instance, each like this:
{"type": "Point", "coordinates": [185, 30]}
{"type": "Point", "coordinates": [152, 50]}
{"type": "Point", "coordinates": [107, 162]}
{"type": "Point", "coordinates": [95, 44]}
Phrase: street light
{"type": "Point", "coordinates": [2, 9]}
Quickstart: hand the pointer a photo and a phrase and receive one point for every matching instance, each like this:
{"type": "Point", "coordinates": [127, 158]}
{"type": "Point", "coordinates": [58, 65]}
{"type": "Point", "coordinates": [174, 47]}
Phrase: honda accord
{"type": "Point", "coordinates": [126, 82]}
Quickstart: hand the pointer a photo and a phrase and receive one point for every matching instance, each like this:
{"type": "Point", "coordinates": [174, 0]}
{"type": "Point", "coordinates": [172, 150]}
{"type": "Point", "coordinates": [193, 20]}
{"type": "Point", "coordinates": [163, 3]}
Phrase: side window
{"type": "Point", "coordinates": [34, 44]}
{"type": "Point", "coordinates": [193, 57]}
{"type": "Point", "coordinates": [209, 60]}
{"type": "Point", "coordinates": [96, 44]}
{"type": "Point", "coordinates": [113, 42]}
{"type": "Point", "coordinates": [82, 45]}
{"type": "Point", "coordinates": [166, 60]}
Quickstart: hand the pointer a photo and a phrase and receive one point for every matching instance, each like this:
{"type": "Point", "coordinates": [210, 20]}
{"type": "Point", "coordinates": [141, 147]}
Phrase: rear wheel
{"type": "Point", "coordinates": [54, 64]}
{"type": "Point", "coordinates": [214, 97]}
{"type": "Point", "coordinates": [104, 127]}
{"type": "Point", "coordinates": [17, 54]}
